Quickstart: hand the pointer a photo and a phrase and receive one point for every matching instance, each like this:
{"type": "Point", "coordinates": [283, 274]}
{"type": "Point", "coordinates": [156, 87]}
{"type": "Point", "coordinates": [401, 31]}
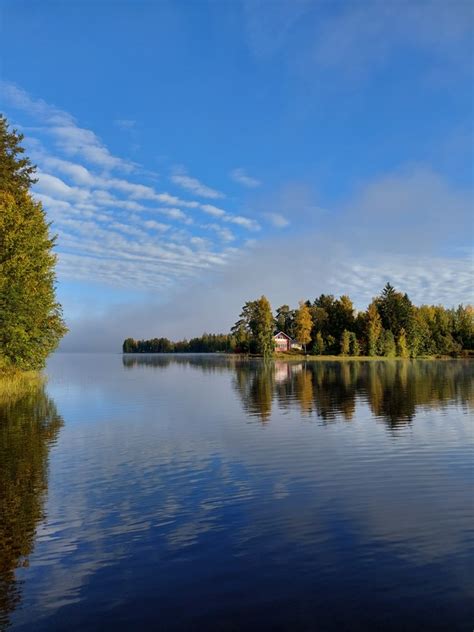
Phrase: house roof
{"type": "Point", "coordinates": [282, 333]}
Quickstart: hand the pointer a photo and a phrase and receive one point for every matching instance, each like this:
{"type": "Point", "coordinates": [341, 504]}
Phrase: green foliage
{"type": "Point", "coordinates": [31, 323]}
{"type": "Point", "coordinates": [345, 342]}
{"type": "Point", "coordinates": [330, 327]}
{"type": "Point", "coordinates": [373, 329]}
{"type": "Point", "coordinates": [354, 347]}
{"type": "Point", "coordinates": [395, 310]}
{"type": "Point", "coordinates": [402, 345]}
{"type": "Point", "coordinates": [331, 345]}
{"type": "Point", "coordinates": [319, 345]}
{"type": "Point", "coordinates": [263, 327]}
{"type": "Point", "coordinates": [16, 170]}
{"type": "Point", "coordinates": [387, 344]}
{"type": "Point", "coordinates": [255, 327]}
{"type": "Point", "coordinates": [303, 325]}
{"type": "Point", "coordinates": [284, 320]}
{"type": "Point", "coordinates": [207, 343]}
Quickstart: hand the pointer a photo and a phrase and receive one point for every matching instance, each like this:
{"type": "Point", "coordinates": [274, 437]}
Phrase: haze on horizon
{"type": "Point", "coordinates": [195, 155]}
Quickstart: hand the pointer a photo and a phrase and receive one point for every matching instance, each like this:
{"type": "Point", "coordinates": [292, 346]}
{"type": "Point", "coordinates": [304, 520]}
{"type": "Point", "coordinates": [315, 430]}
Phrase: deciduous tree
{"type": "Point", "coordinates": [303, 325]}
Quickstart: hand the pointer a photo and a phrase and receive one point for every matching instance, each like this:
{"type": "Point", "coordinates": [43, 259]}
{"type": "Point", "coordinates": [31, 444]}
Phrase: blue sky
{"type": "Point", "coordinates": [193, 155]}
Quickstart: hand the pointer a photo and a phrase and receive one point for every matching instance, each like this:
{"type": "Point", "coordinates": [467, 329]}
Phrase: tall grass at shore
{"type": "Point", "coordinates": [15, 384]}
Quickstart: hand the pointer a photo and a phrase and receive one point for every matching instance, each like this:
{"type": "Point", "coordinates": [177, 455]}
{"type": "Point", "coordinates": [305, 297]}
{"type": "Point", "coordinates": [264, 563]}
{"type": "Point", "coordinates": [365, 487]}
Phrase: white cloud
{"type": "Point", "coordinates": [224, 233]}
{"type": "Point", "coordinates": [213, 210]}
{"type": "Point", "coordinates": [68, 136]}
{"type": "Point", "coordinates": [196, 187]}
{"type": "Point", "coordinates": [56, 188]}
{"type": "Point", "coordinates": [152, 225]}
{"type": "Point", "coordinates": [331, 253]}
{"type": "Point", "coordinates": [245, 222]}
{"type": "Point", "coordinates": [239, 175]}
{"type": "Point", "coordinates": [106, 224]}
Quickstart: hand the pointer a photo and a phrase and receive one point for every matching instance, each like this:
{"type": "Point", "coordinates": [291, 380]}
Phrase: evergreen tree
{"type": "Point", "coordinates": [31, 323]}
{"type": "Point", "coordinates": [16, 170]}
{"type": "Point", "coordinates": [331, 345]}
{"type": "Point", "coordinates": [395, 309]}
{"type": "Point", "coordinates": [303, 325]}
{"type": "Point", "coordinates": [284, 320]}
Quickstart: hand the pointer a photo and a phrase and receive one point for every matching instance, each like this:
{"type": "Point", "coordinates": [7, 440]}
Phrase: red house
{"type": "Point", "coordinates": [283, 342]}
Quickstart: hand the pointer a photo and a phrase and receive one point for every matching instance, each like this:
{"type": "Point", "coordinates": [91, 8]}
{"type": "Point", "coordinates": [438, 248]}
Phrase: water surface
{"type": "Point", "coordinates": [210, 493]}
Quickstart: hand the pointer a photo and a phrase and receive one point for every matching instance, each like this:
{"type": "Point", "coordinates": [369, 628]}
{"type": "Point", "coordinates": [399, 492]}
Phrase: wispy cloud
{"type": "Point", "coordinates": [107, 223]}
{"type": "Point", "coordinates": [357, 38]}
{"type": "Point", "coordinates": [239, 175]}
{"type": "Point", "coordinates": [64, 130]}
{"type": "Point", "coordinates": [195, 186]}
{"type": "Point", "coordinates": [245, 222]}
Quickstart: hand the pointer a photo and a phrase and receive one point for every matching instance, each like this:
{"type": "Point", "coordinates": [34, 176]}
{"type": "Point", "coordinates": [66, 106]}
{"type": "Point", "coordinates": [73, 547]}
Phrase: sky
{"type": "Point", "coordinates": [193, 155]}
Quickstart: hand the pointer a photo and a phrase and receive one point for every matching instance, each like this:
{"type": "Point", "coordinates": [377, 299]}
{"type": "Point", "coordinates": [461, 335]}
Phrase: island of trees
{"type": "Point", "coordinates": [391, 326]}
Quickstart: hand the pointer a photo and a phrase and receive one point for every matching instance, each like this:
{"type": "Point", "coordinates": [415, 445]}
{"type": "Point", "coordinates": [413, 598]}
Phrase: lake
{"type": "Point", "coordinates": [203, 492]}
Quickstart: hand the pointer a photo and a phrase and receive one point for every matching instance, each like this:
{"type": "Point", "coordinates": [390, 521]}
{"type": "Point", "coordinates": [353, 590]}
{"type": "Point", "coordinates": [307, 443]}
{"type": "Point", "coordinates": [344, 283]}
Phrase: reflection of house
{"type": "Point", "coordinates": [283, 342]}
{"type": "Point", "coordinates": [282, 372]}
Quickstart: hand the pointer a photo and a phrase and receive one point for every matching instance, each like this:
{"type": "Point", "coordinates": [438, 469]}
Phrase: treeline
{"type": "Point", "coordinates": [391, 326]}
{"type": "Point", "coordinates": [207, 343]}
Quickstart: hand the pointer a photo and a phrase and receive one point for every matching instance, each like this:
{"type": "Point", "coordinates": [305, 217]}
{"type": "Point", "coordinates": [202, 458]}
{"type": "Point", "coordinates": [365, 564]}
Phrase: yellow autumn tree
{"type": "Point", "coordinates": [303, 325]}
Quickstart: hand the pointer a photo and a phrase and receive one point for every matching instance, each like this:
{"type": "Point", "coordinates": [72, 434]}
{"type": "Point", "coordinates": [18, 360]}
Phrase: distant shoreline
{"type": "Point", "coordinates": [292, 357]}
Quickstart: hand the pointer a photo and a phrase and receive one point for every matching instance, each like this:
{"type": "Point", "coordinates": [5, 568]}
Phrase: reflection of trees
{"type": "Point", "coordinates": [304, 390]}
{"type": "Point", "coordinates": [394, 389]}
{"type": "Point", "coordinates": [255, 385]}
{"type": "Point", "coordinates": [207, 362]}
{"type": "Point", "coordinates": [28, 427]}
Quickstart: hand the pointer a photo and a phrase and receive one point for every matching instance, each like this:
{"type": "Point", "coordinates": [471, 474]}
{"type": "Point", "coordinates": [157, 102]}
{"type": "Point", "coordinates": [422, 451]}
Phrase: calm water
{"type": "Point", "coordinates": [207, 493]}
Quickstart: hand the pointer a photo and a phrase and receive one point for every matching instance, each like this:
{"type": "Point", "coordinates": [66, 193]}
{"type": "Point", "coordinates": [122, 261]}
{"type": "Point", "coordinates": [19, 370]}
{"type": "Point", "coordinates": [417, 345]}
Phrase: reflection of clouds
{"type": "Point", "coordinates": [160, 466]}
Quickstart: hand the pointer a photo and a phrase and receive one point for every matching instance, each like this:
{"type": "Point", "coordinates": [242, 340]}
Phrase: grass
{"type": "Point", "coordinates": [15, 384]}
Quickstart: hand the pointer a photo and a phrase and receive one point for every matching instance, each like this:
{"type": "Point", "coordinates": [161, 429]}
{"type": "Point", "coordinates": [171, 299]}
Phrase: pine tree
{"type": "Point", "coordinates": [31, 323]}
{"type": "Point", "coordinates": [16, 170]}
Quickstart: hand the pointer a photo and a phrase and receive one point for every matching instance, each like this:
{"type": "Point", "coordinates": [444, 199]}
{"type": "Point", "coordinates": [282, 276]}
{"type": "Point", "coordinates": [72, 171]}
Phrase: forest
{"type": "Point", "coordinates": [391, 326]}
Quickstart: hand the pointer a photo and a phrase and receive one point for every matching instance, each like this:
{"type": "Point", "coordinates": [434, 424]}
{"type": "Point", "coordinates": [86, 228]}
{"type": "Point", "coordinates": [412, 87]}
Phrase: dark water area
{"type": "Point", "coordinates": [210, 493]}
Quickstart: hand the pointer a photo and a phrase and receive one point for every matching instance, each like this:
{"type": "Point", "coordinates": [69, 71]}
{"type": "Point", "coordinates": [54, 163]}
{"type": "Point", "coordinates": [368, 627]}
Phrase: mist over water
{"type": "Point", "coordinates": [213, 493]}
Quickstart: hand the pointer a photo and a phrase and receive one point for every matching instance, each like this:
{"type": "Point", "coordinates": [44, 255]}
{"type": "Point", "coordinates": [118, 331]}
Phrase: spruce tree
{"type": "Point", "coordinates": [31, 323]}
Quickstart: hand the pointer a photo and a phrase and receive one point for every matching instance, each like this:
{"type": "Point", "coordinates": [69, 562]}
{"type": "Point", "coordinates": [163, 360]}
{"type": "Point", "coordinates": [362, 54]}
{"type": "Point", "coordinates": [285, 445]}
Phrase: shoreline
{"type": "Point", "coordinates": [290, 357]}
